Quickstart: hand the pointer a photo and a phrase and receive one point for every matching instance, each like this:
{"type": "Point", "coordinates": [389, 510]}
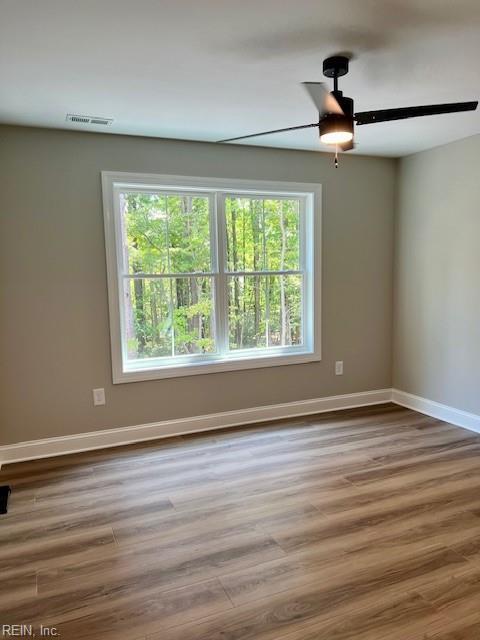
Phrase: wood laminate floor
{"type": "Point", "coordinates": [362, 524]}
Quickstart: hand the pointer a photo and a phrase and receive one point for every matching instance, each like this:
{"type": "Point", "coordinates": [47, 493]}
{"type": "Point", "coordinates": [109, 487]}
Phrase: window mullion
{"type": "Point", "coordinates": [221, 297]}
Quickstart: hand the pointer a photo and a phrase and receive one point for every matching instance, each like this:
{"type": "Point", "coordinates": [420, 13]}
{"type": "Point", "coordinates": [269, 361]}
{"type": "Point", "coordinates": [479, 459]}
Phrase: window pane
{"type": "Point", "coordinates": [165, 317]}
{"type": "Point", "coordinates": [165, 234]}
{"type": "Point", "coordinates": [262, 234]}
{"type": "Point", "coordinates": [264, 311]}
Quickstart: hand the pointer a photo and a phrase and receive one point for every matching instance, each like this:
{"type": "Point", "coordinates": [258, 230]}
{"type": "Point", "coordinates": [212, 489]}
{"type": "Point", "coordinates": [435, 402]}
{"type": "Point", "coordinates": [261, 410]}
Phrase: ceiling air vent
{"type": "Point", "coordinates": [79, 119]}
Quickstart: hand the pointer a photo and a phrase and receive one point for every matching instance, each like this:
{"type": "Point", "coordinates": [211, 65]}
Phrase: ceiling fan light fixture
{"type": "Point", "coordinates": [336, 129]}
{"type": "Point", "coordinates": [336, 137]}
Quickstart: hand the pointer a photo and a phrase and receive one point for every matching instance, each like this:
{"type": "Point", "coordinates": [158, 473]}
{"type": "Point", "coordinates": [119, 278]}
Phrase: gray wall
{"type": "Point", "coordinates": [437, 275]}
{"type": "Point", "coordinates": [54, 329]}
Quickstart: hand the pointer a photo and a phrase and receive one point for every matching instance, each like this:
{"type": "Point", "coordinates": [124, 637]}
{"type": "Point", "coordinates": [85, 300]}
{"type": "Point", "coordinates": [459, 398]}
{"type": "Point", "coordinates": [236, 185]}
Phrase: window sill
{"type": "Point", "coordinates": [218, 366]}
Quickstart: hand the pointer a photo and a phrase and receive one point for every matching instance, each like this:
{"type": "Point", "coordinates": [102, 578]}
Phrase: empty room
{"type": "Point", "coordinates": [239, 328]}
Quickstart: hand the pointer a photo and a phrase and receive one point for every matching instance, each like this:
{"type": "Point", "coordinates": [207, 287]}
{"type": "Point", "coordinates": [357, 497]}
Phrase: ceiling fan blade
{"type": "Point", "coordinates": [385, 115]}
{"type": "Point", "coordinates": [322, 98]}
{"type": "Point", "coordinates": [267, 133]}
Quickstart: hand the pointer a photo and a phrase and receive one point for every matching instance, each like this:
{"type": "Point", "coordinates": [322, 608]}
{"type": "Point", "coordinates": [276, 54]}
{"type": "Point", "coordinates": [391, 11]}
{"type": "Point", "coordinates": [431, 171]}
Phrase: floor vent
{"type": "Point", "coordinates": [80, 119]}
{"type": "Point", "coordinates": [5, 491]}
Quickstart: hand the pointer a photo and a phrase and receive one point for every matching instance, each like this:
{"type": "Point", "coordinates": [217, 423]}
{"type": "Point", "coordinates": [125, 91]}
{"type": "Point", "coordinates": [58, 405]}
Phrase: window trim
{"type": "Point", "coordinates": [310, 252]}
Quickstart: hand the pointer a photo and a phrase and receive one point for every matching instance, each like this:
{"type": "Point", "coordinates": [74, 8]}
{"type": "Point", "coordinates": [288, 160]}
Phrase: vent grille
{"type": "Point", "coordinates": [81, 119]}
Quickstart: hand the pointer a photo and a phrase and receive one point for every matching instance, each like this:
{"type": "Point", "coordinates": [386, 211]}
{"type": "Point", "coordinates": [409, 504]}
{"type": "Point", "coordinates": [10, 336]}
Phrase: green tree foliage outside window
{"type": "Point", "coordinates": [263, 235]}
{"type": "Point", "coordinates": [170, 235]}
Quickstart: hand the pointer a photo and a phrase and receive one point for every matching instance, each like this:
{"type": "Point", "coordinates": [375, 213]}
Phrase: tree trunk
{"type": "Point", "coordinates": [154, 312]}
{"type": "Point", "coordinates": [256, 281]}
{"type": "Point", "coordinates": [196, 326]}
{"type": "Point", "coordinates": [236, 283]}
{"type": "Point", "coordinates": [130, 328]}
{"type": "Point", "coordinates": [244, 307]}
{"type": "Point", "coordinates": [139, 308]}
{"type": "Point", "coordinates": [285, 337]}
{"type": "Point", "coordinates": [139, 301]}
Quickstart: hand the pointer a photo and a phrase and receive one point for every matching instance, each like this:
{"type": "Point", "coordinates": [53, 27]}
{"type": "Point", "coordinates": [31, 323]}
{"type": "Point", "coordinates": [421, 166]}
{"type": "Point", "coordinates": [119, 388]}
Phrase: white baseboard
{"type": "Point", "coordinates": [63, 445]}
{"type": "Point", "coordinates": [454, 416]}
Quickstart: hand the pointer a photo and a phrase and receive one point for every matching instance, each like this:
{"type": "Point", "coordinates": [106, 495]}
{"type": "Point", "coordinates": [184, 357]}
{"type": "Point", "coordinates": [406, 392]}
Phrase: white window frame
{"type": "Point", "coordinates": [217, 189]}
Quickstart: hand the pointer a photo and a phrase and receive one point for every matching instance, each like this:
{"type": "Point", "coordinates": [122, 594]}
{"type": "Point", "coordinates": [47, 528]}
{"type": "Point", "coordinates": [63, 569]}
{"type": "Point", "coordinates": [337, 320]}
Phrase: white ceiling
{"type": "Point", "coordinates": [210, 69]}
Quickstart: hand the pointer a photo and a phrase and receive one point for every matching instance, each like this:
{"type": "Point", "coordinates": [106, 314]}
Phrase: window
{"type": "Point", "coordinates": [210, 275]}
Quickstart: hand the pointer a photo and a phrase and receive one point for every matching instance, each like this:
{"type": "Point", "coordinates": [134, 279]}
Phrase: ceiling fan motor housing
{"type": "Point", "coordinates": [334, 122]}
{"type": "Point", "coordinates": [344, 102]}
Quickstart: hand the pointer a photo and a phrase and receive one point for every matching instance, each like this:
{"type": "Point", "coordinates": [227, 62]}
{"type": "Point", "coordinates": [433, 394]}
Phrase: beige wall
{"type": "Point", "coordinates": [54, 324]}
{"type": "Point", "coordinates": [437, 275]}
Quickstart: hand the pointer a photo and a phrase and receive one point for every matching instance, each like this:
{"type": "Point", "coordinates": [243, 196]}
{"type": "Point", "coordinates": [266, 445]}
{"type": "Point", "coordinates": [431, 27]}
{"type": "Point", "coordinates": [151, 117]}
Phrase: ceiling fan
{"type": "Point", "coordinates": [336, 114]}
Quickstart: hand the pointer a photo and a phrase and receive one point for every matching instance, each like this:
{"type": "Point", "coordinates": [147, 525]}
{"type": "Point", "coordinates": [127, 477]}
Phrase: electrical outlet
{"type": "Point", "coordinates": [339, 368]}
{"type": "Point", "coordinates": [98, 397]}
